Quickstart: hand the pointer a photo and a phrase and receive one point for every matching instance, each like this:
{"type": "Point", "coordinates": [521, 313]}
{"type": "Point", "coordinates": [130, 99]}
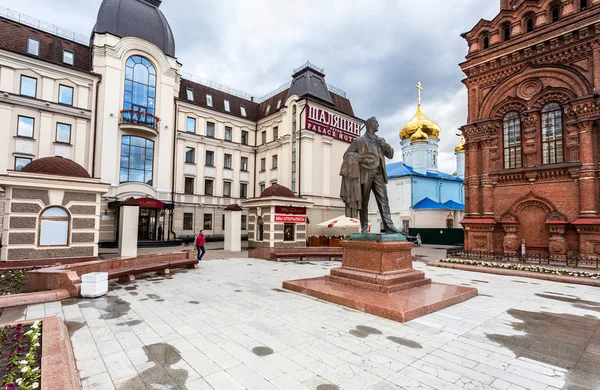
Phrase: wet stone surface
{"type": "Point", "coordinates": [262, 351]}
{"type": "Point", "coordinates": [202, 334]}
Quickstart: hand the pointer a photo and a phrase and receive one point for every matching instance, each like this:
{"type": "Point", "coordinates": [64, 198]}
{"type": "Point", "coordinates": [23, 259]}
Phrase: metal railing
{"type": "Point", "coordinates": [140, 118]}
{"type": "Point", "coordinates": [44, 26]}
{"type": "Point", "coordinates": [574, 261]}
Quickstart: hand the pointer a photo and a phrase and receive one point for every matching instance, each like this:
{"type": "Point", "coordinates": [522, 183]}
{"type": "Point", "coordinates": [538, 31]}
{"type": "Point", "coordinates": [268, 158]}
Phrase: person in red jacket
{"type": "Point", "coordinates": [199, 244]}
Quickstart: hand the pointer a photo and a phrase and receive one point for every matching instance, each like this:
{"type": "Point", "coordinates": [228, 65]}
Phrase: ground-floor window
{"type": "Point", "coordinates": [54, 227]}
{"type": "Point", "coordinates": [260, 226]}
{"type": "Point", "coordinates": [137, 160]}
{"type": "Point", "coordinates": [450, 223]}
{"type": "Point", "coordinates": [289, 232]}
{"type": "Point", "coordinates": [405, 226]}
{"type": "Point", "coordinates": [244, 222]}
{"type": "Point", "coordinates": [188, 221]}
{"type": "Point", "coordinates": [208, 222]}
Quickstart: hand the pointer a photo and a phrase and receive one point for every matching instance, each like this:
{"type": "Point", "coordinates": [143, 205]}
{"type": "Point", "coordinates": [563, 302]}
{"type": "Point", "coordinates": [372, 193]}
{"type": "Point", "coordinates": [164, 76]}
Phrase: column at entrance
{"type": "Point", "coordinates": [128, 230]}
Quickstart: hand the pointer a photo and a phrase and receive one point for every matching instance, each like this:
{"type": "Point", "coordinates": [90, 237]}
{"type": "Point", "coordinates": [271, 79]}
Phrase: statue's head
{"type": "Point", "coordinates": [372, 125]}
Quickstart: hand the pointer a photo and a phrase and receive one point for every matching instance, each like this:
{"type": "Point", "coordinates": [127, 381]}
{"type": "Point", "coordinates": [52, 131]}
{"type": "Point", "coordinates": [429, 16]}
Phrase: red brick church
{"type": "Point", "coordinates": [532, 137]}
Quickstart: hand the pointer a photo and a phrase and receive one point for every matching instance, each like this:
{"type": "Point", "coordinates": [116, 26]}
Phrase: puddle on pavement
{"type": "Point", "coordinates": [557, 339]}
{"type": "Point", "coordinates": [250, 265]}
{"type": "Point", "coordinates": [113, 306]}
{"type": "Point", "coordinates": [405, 342]}
{"type": "Point", "coordinates": [133, 293]}
{"type": "Point", "coordinates": [68, 302]}
{"type": "Point", "coordinates": [327, 386]}
{"type": "Point", "coordinates": [479, 281]}
{"type": "Point", "coordinates": [144, 299]}
{"type": "Point", "coordinates": [485, 295]}
{"type": "Point", "coordinates": [262, 351]}
{"type": "Point", "coordinates": [194, 302]}
{"type": "Point", "coordinates": [130, 288]}
{"type": "Point", "coordinates": [304, 262]}
{"type": "Point", "coordinates": [237, 290]}
{"type": "Point", "coordinates": [363, 331]}
{"type": "Point", "coordinates": [152, 296]}
{"type": "Point", "coordinates": [161, 375]}
{"type": "Point", "coordinates": [275, 270]}
{"type": "Point", "coordinates": [74, 326]}
{"type": "Point", "coordinates": [519, 281]}
{"type": "Point", "coordinates": [160, 300]}
{"type": "Point", "coordinates": [279, 290]}
{"type": "Point", "coordinates": [131, 323]}
{"type": "Point", "coordinates": [575, 301]}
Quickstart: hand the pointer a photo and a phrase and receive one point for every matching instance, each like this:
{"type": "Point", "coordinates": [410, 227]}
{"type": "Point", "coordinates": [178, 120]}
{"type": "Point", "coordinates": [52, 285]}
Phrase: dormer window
{"type": "Point", "coordinates": [209, 100]}
{"type": "Point", "coordinates": [33, 47]}
{"type": "Point", "coordinates": [279, 104]}
{"type": "Point", "coordinates": [68, 57]}
{"type": "Point", "coordinates": [268, 109]}
{"type": "Point", "coordinates": [190, 94]}
{"type": "Point", "coordinates": [583, 4]}
{"type": "Point", "coordinates": [226, 102]}
{"type": "Point", "coordinates": [243, 110]}
{"type": "Point", "coordinates": [506, 31]}
{"type": "Point", "coordinates": [486, 41]}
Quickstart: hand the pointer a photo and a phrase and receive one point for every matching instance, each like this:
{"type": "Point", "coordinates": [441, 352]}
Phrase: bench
{"type": "Point", "coordinates": [302, 253]}
{"type": "Point", "coordinates": [127, 274]}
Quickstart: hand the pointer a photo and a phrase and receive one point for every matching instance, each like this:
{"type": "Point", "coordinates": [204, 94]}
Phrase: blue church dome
{"type": "Point", "coordinates": [136, 18]}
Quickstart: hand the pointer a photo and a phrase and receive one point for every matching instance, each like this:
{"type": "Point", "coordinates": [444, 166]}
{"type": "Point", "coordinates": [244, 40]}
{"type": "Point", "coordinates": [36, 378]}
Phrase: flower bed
{"type": "Point", "coordinates": [524, 267]}
{"type": "Point", "coordinates": [20, 356]}
{"type": "Point", "coordinates": [12, 280]}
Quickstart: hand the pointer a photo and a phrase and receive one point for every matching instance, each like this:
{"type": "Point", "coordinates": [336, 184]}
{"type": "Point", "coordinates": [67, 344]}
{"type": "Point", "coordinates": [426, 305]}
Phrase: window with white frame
{"type": "Point", "coordinates": [209, 100]}
{"type": "Point", "coordinates": [54, 223]}
{"type": "Point", "coordinates": [227, 189]}
{"type": "Point", "coordinates": [25, 127]}
{"type": "Point", "coordinates": [268, 109]}
{"type": "Point", "coordinates": [68, 57]}
{"type": "Point", "coordinates": [279, 104]}
{"type": "Point", "coordinates": [190, 125]}
{"type": "Point", "coordinates": [243, 110]}
{"type": "Point", "coordinates": [210, 129]}
{"type": "Point", "coordinates": [28, 86]}
{"type": "Point", "coordinates": [33, 47]}
{"type": "Point", "coordinates": [226, 103]}
{"type": "Point", "coordinates": [190, 94]}
{"type": "Point", "coordinates": [63, 133]}
{"type": "Point", "coordinates": [65, 95]}
{"type": "Point", "coordinates": [228, 133]}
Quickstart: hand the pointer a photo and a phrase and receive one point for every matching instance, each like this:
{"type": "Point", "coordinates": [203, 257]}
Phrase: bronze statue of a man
{"type": "Point", "coordinates": [363, 170]}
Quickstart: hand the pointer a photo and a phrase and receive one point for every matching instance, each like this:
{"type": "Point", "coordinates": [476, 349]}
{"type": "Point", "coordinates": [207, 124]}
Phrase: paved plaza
{"type": "Point", "coordinates": [229, 325]}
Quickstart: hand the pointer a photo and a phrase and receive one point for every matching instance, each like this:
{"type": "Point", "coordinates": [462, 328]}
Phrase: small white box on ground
{"type": "Point", "coordinates": [94, 284]}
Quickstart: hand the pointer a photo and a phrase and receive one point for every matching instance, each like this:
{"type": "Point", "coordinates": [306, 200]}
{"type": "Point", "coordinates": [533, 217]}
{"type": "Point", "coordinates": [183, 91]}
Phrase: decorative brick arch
{"type": "Point", "coordinates": [508, 105]}
{"type": "Point", "coordinates": [531, 199]}
{"type": "Point", "coordinates": [549, 95]}
{"type": "Point", "coordinates": [557, 76]}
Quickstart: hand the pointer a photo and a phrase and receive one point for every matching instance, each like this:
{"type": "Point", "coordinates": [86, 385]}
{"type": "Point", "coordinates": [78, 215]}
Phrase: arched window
{"type": "Point", "coordinates": [552, 134]}
{"type": "Point", "coordinates": [260, 229]}
{"type": "Point", "coordinates": [506, 31]}
{"type": "Point", "coordinates": [140, 90]}
{"type": "Point", "coordinates": [529, 21]}
{"type": "Point", "coordinates": [583, 4]}
{"type": "Point", "coordinates": [512, 140]}
{"type": "Point", "coordinates": [555, 12]}
{"type": "Point", "coordinates": [54, 226]}
{"type": "Point", "coordinates": [137, 160]}
{"type": "Point", "coordinates": [486, 41]}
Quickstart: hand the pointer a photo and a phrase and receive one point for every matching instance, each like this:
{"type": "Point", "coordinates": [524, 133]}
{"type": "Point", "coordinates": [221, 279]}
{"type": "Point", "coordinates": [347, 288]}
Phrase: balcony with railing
{"type": "Point", "coordinates": [139, 120]}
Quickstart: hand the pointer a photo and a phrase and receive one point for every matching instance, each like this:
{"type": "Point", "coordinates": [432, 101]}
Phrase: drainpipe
{"type": "Point", "coordinates": [173, 170]}
{"type": "Point", "coordinates": [94, 131]}
{"type": "Point", "coordinates": [300, 151]}
{"type": "Point", "coordinates": [256, 153]}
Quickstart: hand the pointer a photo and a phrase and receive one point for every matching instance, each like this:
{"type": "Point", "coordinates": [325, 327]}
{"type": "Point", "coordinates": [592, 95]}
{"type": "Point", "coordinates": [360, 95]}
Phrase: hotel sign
{"type": "Point", "coordinates": [290, 218]}
{"type": "Point", "coordinates": [331, 124]}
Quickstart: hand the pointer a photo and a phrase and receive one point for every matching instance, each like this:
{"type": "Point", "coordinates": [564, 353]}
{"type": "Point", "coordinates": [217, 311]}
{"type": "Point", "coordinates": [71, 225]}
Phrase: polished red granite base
{"type": "Point", "coordinates": [399, 306]}
{"type": "Point", "coordinates": [377, 277]}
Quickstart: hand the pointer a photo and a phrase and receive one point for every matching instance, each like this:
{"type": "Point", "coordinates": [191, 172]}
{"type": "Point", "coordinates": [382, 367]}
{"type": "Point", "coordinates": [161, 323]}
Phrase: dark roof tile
{"type": "Point", "coordinates": [13, 38]}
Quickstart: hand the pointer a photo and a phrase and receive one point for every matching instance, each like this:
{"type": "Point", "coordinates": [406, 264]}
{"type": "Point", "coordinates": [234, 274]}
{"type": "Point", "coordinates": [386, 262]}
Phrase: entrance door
{"type": "Point", "coordinates": [147, 225]}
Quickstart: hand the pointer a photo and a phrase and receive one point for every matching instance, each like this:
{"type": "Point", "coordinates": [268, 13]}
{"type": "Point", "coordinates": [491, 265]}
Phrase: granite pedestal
{"type": "Point", "coordinates": [377, 277]}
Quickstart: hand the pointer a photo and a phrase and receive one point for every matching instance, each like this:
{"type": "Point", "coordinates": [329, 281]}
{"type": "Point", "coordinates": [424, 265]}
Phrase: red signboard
{"type": "Point", "coordinates": [329, 123]}
{"type": "Point", "coordinates": [290, 210]}
{"type": "Point", "coordinates": [145, 203]}
{"type": "Point", "coordinates": [290, 218]}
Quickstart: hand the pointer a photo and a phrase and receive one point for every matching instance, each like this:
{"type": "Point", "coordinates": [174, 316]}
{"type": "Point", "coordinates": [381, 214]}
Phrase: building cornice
{"type": "Point", "coordinates": [19, 61]}
{"type": "Point", "coordinates": [44, 106]}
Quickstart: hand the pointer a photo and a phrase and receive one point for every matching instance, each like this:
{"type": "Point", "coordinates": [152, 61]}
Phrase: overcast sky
{"type": "Point", "coordinates": [375, 50]}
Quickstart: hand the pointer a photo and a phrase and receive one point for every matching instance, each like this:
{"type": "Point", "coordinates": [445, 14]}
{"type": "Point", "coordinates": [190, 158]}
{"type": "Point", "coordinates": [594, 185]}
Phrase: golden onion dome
{"type": "Point", "coordinates": [460, 148]}
{"type": "Point", "coordinates": [419, 136]}
{"type": "Point", "coordinates": [428, 126]}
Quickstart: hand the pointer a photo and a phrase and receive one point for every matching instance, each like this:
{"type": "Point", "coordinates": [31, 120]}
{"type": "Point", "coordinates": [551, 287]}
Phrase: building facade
{"type": "Point", "coordinates": [532, 157]}
{"type": "Point", "coordinates": [420, 195]}
{"type": "Point", "coordinates": [182, 149]}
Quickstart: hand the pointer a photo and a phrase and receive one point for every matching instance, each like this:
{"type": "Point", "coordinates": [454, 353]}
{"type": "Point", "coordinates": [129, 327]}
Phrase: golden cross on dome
{"type": "Point", "coordinates": [419, 88]}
